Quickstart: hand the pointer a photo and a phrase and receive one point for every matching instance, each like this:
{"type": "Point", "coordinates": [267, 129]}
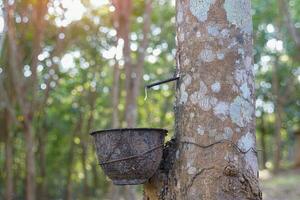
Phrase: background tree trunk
{"type": "Point", "coordinates": [214, 155]}
{"type": "Point", "coordinates": [115, 191]}
{"type": "Point", "coordinates": [30, 161]}
{"type": "Point", "coordinates": [92, 97]}
{"type": "Point", "coordinates": [77, 130]}
{"type": "Point", "coordinates": [263, 143]}
{"type": "Point", "coordinates": [133, 73]}
{"type": "Point", "coordinates": [297, 152]}
{"type": "Point", "coordinates": [42, 184]}
{"type": "Point", "coordinates": [9, 191]}
{"type": "Point", "coordinates": [121, 19]}
{"type": "Point", "coordinates": [24, 88]}
{"type": "Point", "coordinates": [278, 117]}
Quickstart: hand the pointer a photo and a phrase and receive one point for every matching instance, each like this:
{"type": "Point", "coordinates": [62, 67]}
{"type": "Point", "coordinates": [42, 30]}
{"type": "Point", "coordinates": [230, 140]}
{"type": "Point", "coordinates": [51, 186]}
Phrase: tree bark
{"type": "Point", "coordinates": [277, 146]}
{"type": "Point", "coordinates": [39, 12]}
{"type": "Point", "coordinates": [42, 183]}
{"type": "Point", "coordinates": [9, 191]}
{"type": "Point", "coordinates": [284, 10]}
{"type": "Point", "coordinates": [25, 101]}
{"type": "Point", "coordinates": [116, 96]}
{"type": "Point", "coordinates": [30, 160]}
{"type": "Point", "coordinates": [76, 131]}
{"type": "Point", "coordinates": [133, 72]}
{"type": "Point", "coordinates": [213, 153]}
{"type": "Point", "coordinates": [297, 152]}
{"type": "Point", "coordinates": [68, 195]}
{"type": "Point", "coordinates": [92, 97]}
{"type": "Point", "coordinates": [134, 75]}
{"type": "Point", "coordinates": [263, 143]}
{"type": "Point", "coordinates": [86, 192]}
{"type": "Point", "coordinates": [278, 117]}
{"type": "Point", "coordinates": [3, 34]}
{"type": "Point", "coordinates": [114, 192]}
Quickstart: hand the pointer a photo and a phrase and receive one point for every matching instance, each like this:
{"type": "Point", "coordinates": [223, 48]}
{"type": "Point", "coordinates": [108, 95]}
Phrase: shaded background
{"type": "Point", "coordinates": [67, 77]}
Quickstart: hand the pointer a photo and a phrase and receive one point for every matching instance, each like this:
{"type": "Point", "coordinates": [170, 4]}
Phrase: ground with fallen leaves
{"type": "Point", "coordinates": [284, 186]}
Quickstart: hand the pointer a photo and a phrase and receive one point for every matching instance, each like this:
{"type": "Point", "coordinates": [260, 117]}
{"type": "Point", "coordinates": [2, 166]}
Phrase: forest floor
{"type": "Point", "coordinates": [283, 186]}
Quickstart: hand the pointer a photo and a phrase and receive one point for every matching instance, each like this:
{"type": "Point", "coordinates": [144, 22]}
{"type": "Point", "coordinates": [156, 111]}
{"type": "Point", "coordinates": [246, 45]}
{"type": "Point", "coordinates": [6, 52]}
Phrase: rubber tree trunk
{"type": "Point", "coordinates": [213, 156]}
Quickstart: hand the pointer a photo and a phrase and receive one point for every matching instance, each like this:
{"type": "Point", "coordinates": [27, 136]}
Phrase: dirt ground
{"type": "Point", "coordinates": [284, 186]}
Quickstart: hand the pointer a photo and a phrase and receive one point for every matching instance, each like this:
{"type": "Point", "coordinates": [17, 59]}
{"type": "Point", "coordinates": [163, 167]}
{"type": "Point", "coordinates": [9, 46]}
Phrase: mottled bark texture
{"type": "Point", "coordinates": [215, 142]}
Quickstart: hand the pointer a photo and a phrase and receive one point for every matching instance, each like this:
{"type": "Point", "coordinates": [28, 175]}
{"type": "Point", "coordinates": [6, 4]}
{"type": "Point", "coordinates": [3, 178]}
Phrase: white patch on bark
{"type": "Point", "coordinates": [245, 91]}
{"type": "Point", "coordinates": [177, 154]}
{"type": "Point", "coordinates": [241, 52]}
{"type": "Point", "coordinates": [186, 62]}
{"type": "Point", "coordinates": [192, 170]}
{"type": "Point", "coordinates": [240, 76]}
{"type": "Point", "coordinates": [232, 44]}
{"type": "Point", "coordinates": [241, 111]}
{"type": "Point", "coordinates": [238, 13]}
{"type": "Point", "coordinates": [228, 133]}
{"type": "Point", "coordinates": [192, 115]}
{"type": "Point", "coordinates": [200, 130]}
{"type": "Point", "coordinates": [180, 14]}
{"type": "Point", "coordinates": [207, 55]}
{"type": "Point", "coordinates": [216, 87]}
{"type": "Point", "coordinates": [221, 110]}
{"type": "Point", "coordinates": [205, 102]}
{"type": "Point", "coordinates": [220, 56]}
{"type": "Point", "coordinates": [245, 143]}
{"type": "Point", "coordinates": [225, 33]}
{"type": "Point", "coordinates": [248, 63]}
{"type": "Point", "coordinates": [188, 139]}
{"type": "Point", "coordinates": [213, 30]}
{"type": "Point", "coordinates": [235, 88]}
{"type": "Point", "coordinates": [181, 37]}
{"type": "Point", "coordinates": [203, 88]}
{"type": "Point", "coordinates": [185, 83]}
{"type": "Point", "coordinates": [200, 8]}
{"type": "Point", "coordinates": [198, 34]}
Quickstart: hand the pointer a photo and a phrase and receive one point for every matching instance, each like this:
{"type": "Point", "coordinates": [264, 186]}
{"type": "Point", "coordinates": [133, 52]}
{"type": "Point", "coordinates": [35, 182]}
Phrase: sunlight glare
{"type": "Point", "coordinates": [1, 24]}
{"type": "Point", "coordinates": [275, 45]}
{"type": "Point", "coordinates": [68, 61]}
{"type": "Point", "coordinates": [98, 3]}
{"type": "Point", "coordinates": [74, 11]}
{"type": "Point", "coordinates": [270, 28]}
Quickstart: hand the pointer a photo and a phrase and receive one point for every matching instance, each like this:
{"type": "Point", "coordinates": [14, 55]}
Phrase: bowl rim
{"type": "Point", "coordinates": [163, 131]}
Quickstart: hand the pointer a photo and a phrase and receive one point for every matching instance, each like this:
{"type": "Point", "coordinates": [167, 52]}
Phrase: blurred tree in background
{"type": "Point", "coordinates": [63, 74]}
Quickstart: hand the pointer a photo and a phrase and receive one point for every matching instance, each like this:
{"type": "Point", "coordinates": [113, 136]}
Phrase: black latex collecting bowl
{"type": "Point", "coordinates": [129, 156]}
